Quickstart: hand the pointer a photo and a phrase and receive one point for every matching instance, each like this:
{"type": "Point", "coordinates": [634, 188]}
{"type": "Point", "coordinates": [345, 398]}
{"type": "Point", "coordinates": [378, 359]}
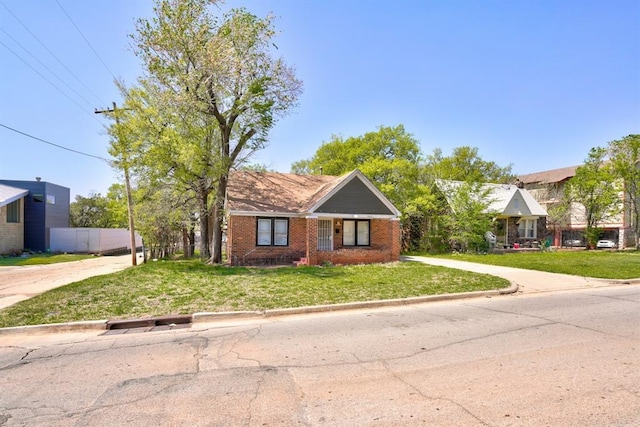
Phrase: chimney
{"type": "Point", "coordinates": [38, 178]}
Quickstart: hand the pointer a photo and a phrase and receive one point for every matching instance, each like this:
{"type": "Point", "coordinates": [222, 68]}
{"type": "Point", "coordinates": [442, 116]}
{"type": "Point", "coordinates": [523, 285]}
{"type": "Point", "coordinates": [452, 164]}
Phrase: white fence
{"type": "Point", "coordinates": [90, 240]}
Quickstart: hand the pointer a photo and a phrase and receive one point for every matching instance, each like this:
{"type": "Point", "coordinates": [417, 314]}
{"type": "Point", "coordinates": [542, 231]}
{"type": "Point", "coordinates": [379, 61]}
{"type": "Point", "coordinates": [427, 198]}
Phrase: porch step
{"type": "Point", "coordinates": [301, 261]}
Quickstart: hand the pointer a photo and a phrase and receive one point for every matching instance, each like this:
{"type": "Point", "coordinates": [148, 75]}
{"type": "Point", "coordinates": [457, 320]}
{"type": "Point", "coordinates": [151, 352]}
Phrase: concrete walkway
{"type": "Point", "coordinates": [528, 281]}
{"type": "Point", "coordinates": [23, 282]}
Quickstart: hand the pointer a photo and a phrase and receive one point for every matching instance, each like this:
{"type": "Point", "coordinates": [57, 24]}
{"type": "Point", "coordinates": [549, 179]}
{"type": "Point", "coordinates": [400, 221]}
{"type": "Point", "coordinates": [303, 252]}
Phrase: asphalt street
{"type": "Point", "coordinates": [548, 358]}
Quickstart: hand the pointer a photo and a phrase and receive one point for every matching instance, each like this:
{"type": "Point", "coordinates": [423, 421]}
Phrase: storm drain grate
{"type": "Point", "coordinates": [151, 324]}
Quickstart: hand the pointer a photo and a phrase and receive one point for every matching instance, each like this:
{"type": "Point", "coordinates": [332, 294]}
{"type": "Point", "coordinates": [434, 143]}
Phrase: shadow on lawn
{"type": "Point", "coordinates": [198, 267]}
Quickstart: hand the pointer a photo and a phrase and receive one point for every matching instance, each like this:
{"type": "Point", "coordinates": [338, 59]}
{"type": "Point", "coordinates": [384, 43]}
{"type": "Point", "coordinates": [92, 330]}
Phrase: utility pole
{"type": "Point", "coordinates": [127, 188]}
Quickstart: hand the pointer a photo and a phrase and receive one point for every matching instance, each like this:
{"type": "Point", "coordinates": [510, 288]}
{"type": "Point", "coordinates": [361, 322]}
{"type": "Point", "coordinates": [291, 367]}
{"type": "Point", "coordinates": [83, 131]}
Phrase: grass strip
{"type": "Point", "coordinates": [598, 264]}
{"type": "Point", "coordinates": [41, 259]}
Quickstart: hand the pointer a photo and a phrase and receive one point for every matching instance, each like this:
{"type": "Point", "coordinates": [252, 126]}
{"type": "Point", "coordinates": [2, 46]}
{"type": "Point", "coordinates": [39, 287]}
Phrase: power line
{"type": "Point", "coordinates": [85, 39]}
{"type": "Point", "coordinates": [47, 80]}
{"type": "Point", "coordinates": [52, 54]}
{"type": "Point", "coordinates": [45, 67]}
{"type": "Point", "coordinates": [55, 145]}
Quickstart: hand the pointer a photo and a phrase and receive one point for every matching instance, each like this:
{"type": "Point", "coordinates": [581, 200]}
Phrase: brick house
{"type": "Point", "coordinates": [279, 218]}
{"type": "Point", "coordinates": [11, 219]}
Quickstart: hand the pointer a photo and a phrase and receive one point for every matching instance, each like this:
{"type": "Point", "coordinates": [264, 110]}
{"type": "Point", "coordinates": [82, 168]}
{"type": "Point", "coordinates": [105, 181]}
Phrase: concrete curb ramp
{"type": "Point", "coordinates": [167, 322]}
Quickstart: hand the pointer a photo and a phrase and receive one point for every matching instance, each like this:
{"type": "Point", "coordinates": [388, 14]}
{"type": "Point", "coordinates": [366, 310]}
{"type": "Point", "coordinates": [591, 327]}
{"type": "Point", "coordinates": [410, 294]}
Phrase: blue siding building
{"type": "Point", "coordinates": [47, 205]}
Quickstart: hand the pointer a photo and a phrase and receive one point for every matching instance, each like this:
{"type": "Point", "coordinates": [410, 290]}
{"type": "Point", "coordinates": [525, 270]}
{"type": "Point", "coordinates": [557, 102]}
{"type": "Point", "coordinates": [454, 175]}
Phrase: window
{"type": "Point", "coordinates": [38, 198]}
{"type": "Point", "coordinates": [280, 233]}
{"type": "Point", "coordinates": [273, 232]}
{"type": "Point", "coordinates": [51, 199]}
{"type": "Point", "coordinates": [13, 211]}
{"type": "Point", "coordinates": [527, 228]}
{"type": "Point", "coordinates": [355, 233]}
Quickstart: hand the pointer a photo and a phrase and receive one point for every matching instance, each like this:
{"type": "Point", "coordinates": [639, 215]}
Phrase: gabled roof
{"type": "Point", "coordinates": [251, 192]}
{"type": "Point", "coordinates": [549, 177]}
{"type": "Point", "coordinates": [504, 199]}
{"type": "Point", "coordinates": [11, 194]}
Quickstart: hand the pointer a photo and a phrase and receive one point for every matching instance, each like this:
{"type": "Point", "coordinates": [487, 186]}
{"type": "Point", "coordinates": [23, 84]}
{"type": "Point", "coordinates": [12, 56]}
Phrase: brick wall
{"type": "Point", "coordinates": [312, 241]}
{"type": "Point", "coordinates": [242, 249]}
{"type": "Point", "coordinates": [11, 234]}
{"type": "Point", "coordinates": [303, 236]}
{"type": "Point", "coordinates": [384, 246]}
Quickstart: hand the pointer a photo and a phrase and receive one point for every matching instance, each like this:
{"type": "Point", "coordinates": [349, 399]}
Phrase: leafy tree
{"type": "Point", "coordinates": [469, 218]}
{"type": "Point", "coordinates": [465, 164]}
{"type": "Point", "coordinates": [116, 200]}
{"type": "Point", "coordinates": [460, 219]}
{"type": "Point", "coordinates": [90, 211]}
{"type": "Point", "coordinates": [389, 157]}
{"type": "Point", "coordinates": [164, 220]}
{"type": "Point", "coordinates": [99, 211]}
{"type": "Point", "coordinates": [594, 186]}
{"type": "Point", "coordinates": [216, 90]}
{"type": "Point", "coordinates": [625, 160]}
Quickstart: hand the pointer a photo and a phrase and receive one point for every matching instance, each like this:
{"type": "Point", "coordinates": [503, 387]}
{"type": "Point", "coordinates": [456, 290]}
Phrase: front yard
{"type": "Point", "coordinates": [188, 286]}
{"type": "Point", "coordinates": [185, 287]}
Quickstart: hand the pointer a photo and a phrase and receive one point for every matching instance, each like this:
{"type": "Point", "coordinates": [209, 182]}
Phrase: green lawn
{"type": "Point", "coordinates": [185, 287]}
{"type": "Point", "coordinates": [602, 264]}
{"type": "Point", "coordinates": [41, 259]}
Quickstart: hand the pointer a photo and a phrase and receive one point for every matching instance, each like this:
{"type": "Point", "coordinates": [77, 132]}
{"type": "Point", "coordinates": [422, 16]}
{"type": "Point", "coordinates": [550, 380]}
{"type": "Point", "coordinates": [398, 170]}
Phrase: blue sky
{"type": "Point", "coordinates": [534, 84]}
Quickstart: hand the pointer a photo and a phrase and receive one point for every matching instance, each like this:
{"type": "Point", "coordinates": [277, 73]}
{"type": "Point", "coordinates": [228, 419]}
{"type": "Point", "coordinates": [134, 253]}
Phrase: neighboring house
{"type": "Point", "coordinates": [11, 219]}
{"type": "Point", "coordinates": [548, 188]}
{"type": "Point", "coordinates": [44, 206]}
{"type": "Point", "coordinates": [278, 218]}
{"type": "Point", "coordinates": [519, 219]}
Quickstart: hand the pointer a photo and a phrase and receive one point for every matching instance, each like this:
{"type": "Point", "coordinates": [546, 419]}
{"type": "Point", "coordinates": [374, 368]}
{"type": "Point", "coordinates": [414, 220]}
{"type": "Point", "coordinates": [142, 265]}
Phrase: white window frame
{"type": "Point", "coordinates": [356, 232]}
{"type": "Point", "coordinates": [280, 234]}
{"type": "Point", "coordinates": [272, 232]}
{"type": "Point", "coordinates": [527, 228]}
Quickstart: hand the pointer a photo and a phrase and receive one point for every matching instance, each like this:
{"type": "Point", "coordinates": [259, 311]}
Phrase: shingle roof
{"type": "Point", "coordinates": [275, 192]}
{"type": "Point", "coordinates": [549, 176]}
{"type": "Point", "coordinates": [284, 193]}
{"type": "Point", "coordinates": [11, 194]}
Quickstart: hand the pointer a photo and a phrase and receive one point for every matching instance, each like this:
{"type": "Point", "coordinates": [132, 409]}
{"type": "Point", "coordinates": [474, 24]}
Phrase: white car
{"type": "Point", "coordinates": [610, 244]}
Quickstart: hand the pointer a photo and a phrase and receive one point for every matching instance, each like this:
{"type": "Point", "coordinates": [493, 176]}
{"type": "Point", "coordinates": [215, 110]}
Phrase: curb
{"type": "Point", "coordinates": [621, 281]}
{"type": "Point", "coordinates": [205, 317]}
{"type": "Point", "coordinates": [90, 325]}
{"type": "Point", "coordinates": [241, 315]}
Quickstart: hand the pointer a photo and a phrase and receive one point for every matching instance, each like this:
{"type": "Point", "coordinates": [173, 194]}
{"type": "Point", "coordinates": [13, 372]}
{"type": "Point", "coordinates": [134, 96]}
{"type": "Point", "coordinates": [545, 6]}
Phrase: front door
{"type": "Point", "coordinates": [325, 235]}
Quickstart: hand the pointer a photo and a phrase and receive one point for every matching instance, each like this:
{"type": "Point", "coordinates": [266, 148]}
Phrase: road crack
{"type": "Point", "coordinates": [432, 399]}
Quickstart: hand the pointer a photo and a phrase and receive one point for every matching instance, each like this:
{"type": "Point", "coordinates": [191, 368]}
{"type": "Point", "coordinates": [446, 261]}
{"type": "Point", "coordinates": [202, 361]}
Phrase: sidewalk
{"type": "Point", "coordinates": [19, 283]}
{"type": "Point", "coordinates": [528, 281]}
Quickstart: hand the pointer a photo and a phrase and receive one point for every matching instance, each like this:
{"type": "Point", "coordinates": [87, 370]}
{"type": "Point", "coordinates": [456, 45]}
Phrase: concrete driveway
{"type": "Point", "coordinates": [23, 282]}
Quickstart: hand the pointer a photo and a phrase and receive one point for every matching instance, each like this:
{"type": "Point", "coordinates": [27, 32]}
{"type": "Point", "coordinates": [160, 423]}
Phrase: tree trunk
{"type": "Point", "coordinates": [205, 250]}
{"type": "Point", "coordinates": [192, 240]}
{"type": "Point", "coordinates": [218, 212]}
{"type": "Point", "coordinates": [185, 243]}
